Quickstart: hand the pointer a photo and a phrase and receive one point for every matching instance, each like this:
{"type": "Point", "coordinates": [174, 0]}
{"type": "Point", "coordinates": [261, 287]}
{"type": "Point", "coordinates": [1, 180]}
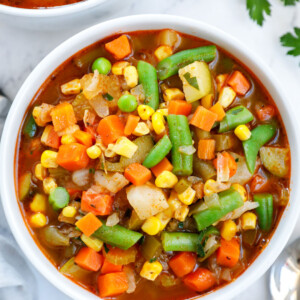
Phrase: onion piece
{"type": "Point", "coordinates": [187, 150]}
{"type": "Point", "coordinates": [113, 219]}
{"type": "Point", "coordinates": [81, 177]}
{"type": "Point", "coordinates": [131, 279]}
{"type": "Point", "coordinates": [248, 205]}
{"type": "Point", "coordinates": [211, 242]}
{"type": "Point", "coordinates": [212, 200]}
{"type": "Point", "coordinates": [226, 275]}
{"type": "Point", "coordinates": [100, 106]}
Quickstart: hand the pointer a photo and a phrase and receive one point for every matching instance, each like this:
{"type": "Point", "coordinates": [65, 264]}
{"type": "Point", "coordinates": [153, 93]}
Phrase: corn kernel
{"type": "Point", "coordinates": [220, 81]}
{"type": "Point", "coordinates": [141, 129]}
{"type": "Point", "coordinates": [125, 147]}
{"type": "Point", "coordinates": [173, 94]}
{"type": "Point", "coordinates": [241, 190]}
{"type": "Point", "coordinates": [38, 203]}
{"type": "Point", "coordinates": [69, 211]}
{"type": "Point", "coordinates": [163, 111]}
{"type": "Point", "coordinates": [48, 159]}
{"type": "Point", "coordinates": [208, 187]}
{"type": "Point", "coordinates": [207, 101]}
{"type": "Point", "coordinates": [92, 242]}
{"type": "Point", "coordinates": [164, 105]}
{"type": "Point", "coordinates": [152, 226]}
{"type": "Point", "coordinates": [165, 217]}
{"type": "Point", "coordinates": [118, 67]}
{"type": "Point", "coordinates": [40, 172]}
{"type": "Point", "coordinates": [109, 151]}
{"type": "Point", "coordinates": [226, 96]}
{"type": "Point", "coordinates": [158, 123]}
{"type": "Point", "coordinates": [131, 76]}
{"type": "Point", "coordinates": [248, 221]}
{"type": "Point", "coordinates": [166, 180]}
{"type": "Point", "coordinates": [68, 139]}
{"type": "Point", "coordinates": [150, 270]}
{"type": "Point", "coordinates": [188, 196]}
{"type": "Point", "coordinates": [228, 230]}
{"type": "Point", "coordinates": [93, 152]}
{"type": "Point", "coordinates": [182, 213]}
{"type": "Point", "coordinates": [72, 87]}
{"type": "Point", "coordinates": [46, 133]}
{"type": "Point", "coordinates": [49, 184]}
{"type": "Point", "coordinates": [38, 220]}
{"type": "Point", "coordinates": [242, 132]}
{"type": "Point", "coordinates": [163, 52]}
{"type": "Point", "coordinates": [145, 112]}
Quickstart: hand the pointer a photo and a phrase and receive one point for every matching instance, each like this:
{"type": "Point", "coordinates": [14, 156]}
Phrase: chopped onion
{"type": "Point", "coordinates": [194, 179]}
{"type": "Point", "coordinates": [218, 187]}
{"type": "Point", "coordinates": [113, 182]}
{"type": "Point", "coordinates": [88, 118]}
{"type": "Point", "coordinates": [248, 205]}
{"type": "Point", "coordinates": [199, 206]}
{"type": "Point", "coordinates": [113, 219]}
{"type": "Point", "coordinates": [81, 177]}
{"type": "Point", "coordinates": [131, 279]}
{"type": "Point", "coordinates": [139, 93]}
{"type": "Point", "coordinates": [212, 200]}
{"type": "Point", "coordinates": [188, 150]}
{"type": "Point", "coordinates": [211, 242]}
{"type": "Point", "coordinates": [100, 106]}
{"type": "Point", "coordinates": [226, 275]}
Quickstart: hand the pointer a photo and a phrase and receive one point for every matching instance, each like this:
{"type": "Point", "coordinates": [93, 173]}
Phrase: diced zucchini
{"type": "Point", "coordinates": [24, 185]}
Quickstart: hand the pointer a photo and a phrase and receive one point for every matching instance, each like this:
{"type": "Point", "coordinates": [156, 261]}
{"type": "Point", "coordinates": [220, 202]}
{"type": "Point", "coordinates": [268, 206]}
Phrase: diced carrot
{"type": "Point", "coordinates": [83, 138]}
{"type": "Point", "coordinates": [239, 83]}
{"type": "Point", "coordinates": [63, 116]}
{"type": "Point", "coordinates": [182, 263]}
{"type": "Point", "coordinates": [258, 184]}
{"type": "Point", "coordinates": [89, 259]}
{"type": "Point", "coordinates": [72, 157]}
{"type": "Point", "coordinates": [203, 118]}
{"type": "Point", "coordinates": [219, 110]}
{"type": "Point", "coordinates": [200, 281]}
{"type": "Point", "coordinates": [266, 113]}
{"type": "Point", "coordinates": [228, 253]}
{"type": "Point", "coordinates": [72, 192]}
{"type": "Point", "coordinates": [108, 267]}
{"type": "Point", "coordinates": [110, 129]}
{"type": "Point", "coordinates": [92, 131]}
{"type": "Point", "coordinates": [164, 165]}
{"type": "Point", "coordinates": [206, 149]}
{"type": "Point", "coordinates": [120, 47]}
{"type": "Point", "coordinates": [231, 163]}
{"type": "Point", "coordinates": [179, 107]}
{"type": "Point", "coordinates": [112, 284]}
{"type": "Point", "coordinates": [137, 174]}
{"type": "Point", "coordinates": [50, 138]}
{"type": "Point", "coordinates": [88, 224]}
{"type": "Point", "coordinates": [131, 123]}
{"type": "Point", "coordinates": [98, 204]}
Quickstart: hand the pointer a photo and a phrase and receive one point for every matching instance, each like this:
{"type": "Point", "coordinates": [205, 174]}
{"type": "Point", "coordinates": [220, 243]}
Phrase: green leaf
{"type": "Point", "coordinates": [289, 2]}
{"type": "Point", "coordinates": [257, 8]}
{"type": "Point", "coordinates": [191, 80]}
{"type": "Point", "coordinates": [292, 41]}
{"type": "Point", "coordinates": [108, 97]}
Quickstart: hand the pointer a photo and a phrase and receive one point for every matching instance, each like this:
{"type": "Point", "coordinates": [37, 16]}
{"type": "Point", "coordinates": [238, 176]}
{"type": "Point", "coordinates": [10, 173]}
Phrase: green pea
{"type": "Point", "coordinates": [102, 64]}
{"type": "Point", "coordinates": [127, 103]}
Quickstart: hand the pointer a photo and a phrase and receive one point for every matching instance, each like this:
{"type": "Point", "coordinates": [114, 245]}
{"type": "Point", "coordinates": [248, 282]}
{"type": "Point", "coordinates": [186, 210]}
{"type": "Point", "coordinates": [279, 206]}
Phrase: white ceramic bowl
{"type": "Point", "coordinates": [88, 37]}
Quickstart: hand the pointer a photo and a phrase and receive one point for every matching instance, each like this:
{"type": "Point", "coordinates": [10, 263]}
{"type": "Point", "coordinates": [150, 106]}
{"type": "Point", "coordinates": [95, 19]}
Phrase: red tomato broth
{"type": "Point", "coordinates": [35, 4]}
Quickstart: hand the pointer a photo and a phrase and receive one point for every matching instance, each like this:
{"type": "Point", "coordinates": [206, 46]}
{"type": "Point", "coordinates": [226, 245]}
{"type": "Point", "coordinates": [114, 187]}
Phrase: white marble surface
{"type": "Point", "coordinates": [21, 50]}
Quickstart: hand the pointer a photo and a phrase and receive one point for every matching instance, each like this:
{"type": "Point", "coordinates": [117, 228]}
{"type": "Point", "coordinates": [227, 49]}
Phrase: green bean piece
{"type": "Point", "coordinates": [151, 247]}
{"type": "Point", "coordinates": [180, 135]}
{"type": "Point", "coordinates": [259, 136]}
{"type": "Point", "coordinates": [264, 210]}
{"type": "Point", "coordinates": [158, 152]}
{"type": "Point", "coordinates": [30, 127]}
{"type": "Point", "coordinates": [170, 65]}
{"type": "Point", "coordinates": [234, 117]}
{"type": "Point", "coordinates": [117, 236]}
{"type": "Point", "coordinates": [59, 198]}
{"type": "Point", "coordinates": [180, 241]}
{"type": "Point", "coordinates": [229, 201]}
{"type": "Point", "coordinates": [148, 79]}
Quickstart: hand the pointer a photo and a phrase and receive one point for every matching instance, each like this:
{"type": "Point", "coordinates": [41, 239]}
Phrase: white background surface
{"type": "Point", "coordinates": [21, 50]}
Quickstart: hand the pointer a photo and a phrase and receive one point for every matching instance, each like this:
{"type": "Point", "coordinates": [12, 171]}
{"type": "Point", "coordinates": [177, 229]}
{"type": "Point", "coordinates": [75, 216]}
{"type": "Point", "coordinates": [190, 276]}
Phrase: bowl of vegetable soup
{"type": "Point", "coordinates": [154, 155]}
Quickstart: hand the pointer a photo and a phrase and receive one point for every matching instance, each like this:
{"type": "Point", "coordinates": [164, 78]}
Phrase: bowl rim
{"type": "Point", "coordinates": [127, 24]}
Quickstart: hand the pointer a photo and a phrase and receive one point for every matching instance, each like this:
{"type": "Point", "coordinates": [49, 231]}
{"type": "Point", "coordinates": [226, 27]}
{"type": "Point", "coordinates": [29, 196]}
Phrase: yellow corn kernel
{"type": "Point", "coordinates": [163, 52]}
{"type": "Point", "coordinates": [173, 94]}
{"type": "Point", "coordinates": [131, 76]}
{"type": "Point", "coordinates": [141, 129]}
{"type": "Point", "coordinates": [152, 226]}
{"type": "Point", "coordinates": [207, 101]}
{"type": "Point", "coordinates": [68, 139]}
{"type": "Point", "coordinates": [228, 230]}
{"type": "Point", "coordinates": [92, 242]}
{"type": "Point", "coordinates": [48, 159]}
{"type": "Point", "coordinates": [145, 112]}
{"type": "Point", "coordinates": [163, 111]}
{"type": "Point", "coordinates": [109, 151]}
{"type": "Point", "coordinates": [69, 211]}
{"type": "Point", "coordinates": [93, 152]}
{"type": "Point", "coordinates": [220, 81]}
{"type": "Point", "coordinates": [38, 203]}
{"type": "Point", "coordinates": [188, 196]}
{"type": "Point", "coordinates": [164, 105]}
{"type": "Point", "coordinates": [208, 187]}
{"type": "Point", "coordinates": [38, 220]}
{"type": "Point", "coordinates": [242, 132]}
{"type": "Point", "coordinates": [49, 184]}
{"type": "Point", "coordinates": [226, 96]}
{"type": "Point", "coordinates": [174, 204]}
{"type": "Point", "coordinates": [151, 270]}
{"type": "Point", "coordinates": [40, 172]}
{"type": "Point", "coordinates": [125, 147]}
{"type": "Point", "coordinates": [158, 123]}
{"type": "Point", "coordinates": [241, 190]}
{"type": "Point", "coordinates": [118, 67]}
{"type": "Point", "coordinates": [166, 180]}
{"type": "Point", "coordinates": [248, 221]}
{"type": "Point", "coordinates": [46, 133]}
{"type": "Point", "coordinates": [165, 217]}
{"type": "Point", "coordinates": [71, 88]}
{"type": "Point", "coordinates": [182, 213]}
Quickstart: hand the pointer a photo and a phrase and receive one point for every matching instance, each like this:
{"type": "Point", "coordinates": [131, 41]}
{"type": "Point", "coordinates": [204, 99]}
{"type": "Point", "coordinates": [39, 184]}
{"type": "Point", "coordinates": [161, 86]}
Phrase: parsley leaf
{"type": "Point", "coordinates": [191, 80]}
{"type": "Point", "coordinates": [289, 2]}
{"type": "Point", "coordinates": [257, 8]}
{"type": "Point", "coordinates": [292, 41]}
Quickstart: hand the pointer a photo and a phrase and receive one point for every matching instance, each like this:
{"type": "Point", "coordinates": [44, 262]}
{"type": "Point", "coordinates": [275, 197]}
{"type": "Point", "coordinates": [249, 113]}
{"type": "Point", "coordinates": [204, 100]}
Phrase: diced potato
{"type": "Point", "coordinates": [275, 160]}
{"type": "Point", "coordinates": [163, 52]}
{"type": "Point", "coordinates": [226, 96]}
{"type": "Point", "coordinates": [113, 182]}
{"type": "Point", "coordinates": [168, 37]}
{"type": "Point", "coordinates": [196, 79]}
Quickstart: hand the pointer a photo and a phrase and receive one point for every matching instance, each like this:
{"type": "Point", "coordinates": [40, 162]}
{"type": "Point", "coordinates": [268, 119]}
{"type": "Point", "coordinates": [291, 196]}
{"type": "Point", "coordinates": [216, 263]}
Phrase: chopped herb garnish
{"type": "Point", "coordinates": [257, 9]}
{"type": "Point", "coordinates": [108, 97]}
{"type": "Point", "coordinates": [92, 171]}
{"type": "Point", "coordinates": [289, 2]}
{"type": "Point", "coordinates": [180, 225]}
{"type": "Point", "coordinates": [191, 80]}
{"type": "Point", "coordinates": [106, 248]}
{"type": "Point", "coordinates": [153, 259]}
{"type": "Point", "coordinates": [237, 160]}
{"type": "Point", "coordinates": [292, 41]}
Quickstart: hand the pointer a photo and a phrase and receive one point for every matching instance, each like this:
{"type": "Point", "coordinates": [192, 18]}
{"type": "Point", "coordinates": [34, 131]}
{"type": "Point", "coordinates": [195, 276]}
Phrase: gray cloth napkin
{"type": "Point", "coordinates": [17, 281]}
